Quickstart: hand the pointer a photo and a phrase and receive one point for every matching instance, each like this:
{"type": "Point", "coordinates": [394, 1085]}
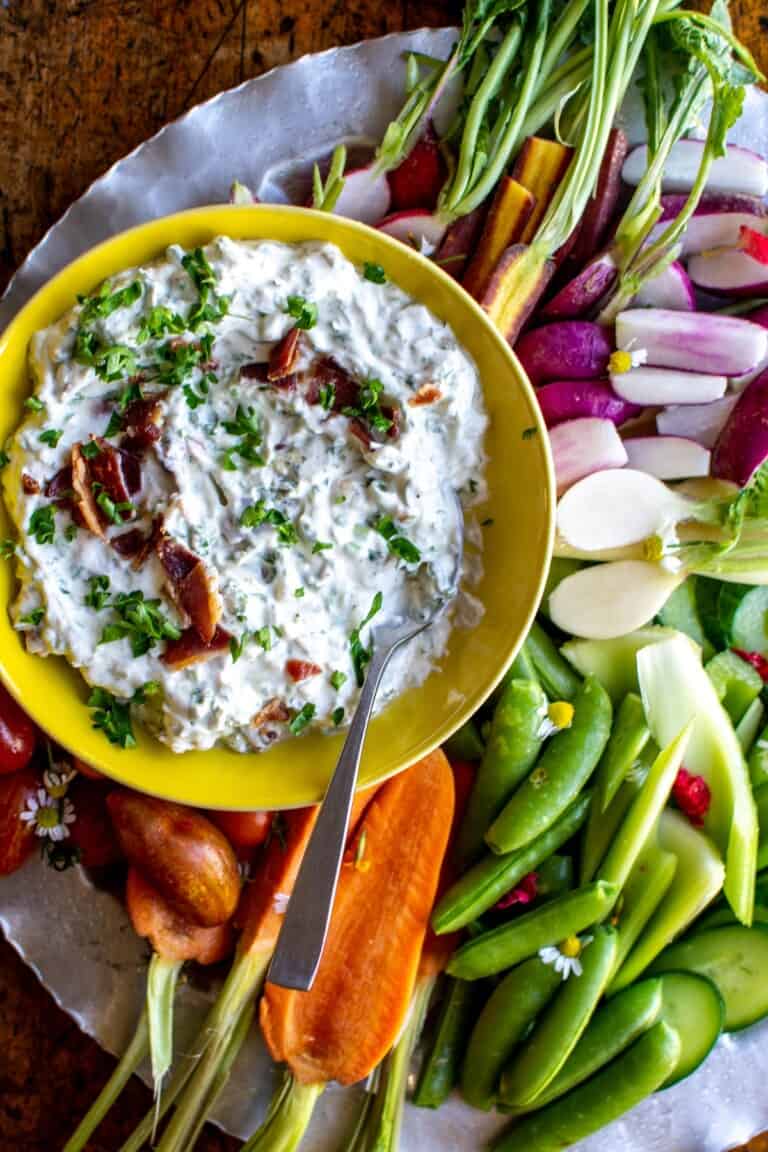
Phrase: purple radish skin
{"type": "Point", "coordinates": [671, 289]}
{"type": "Point", "coordinates": [742, 446]}
{"type": "Point", "coordinates": [564, 400]}
{"type": "Point", "coordinates": [576, 349]}
{"type": "Point", "coordinates": [692, 341]}
{"type": "Point", "coordinates": [582, 295]}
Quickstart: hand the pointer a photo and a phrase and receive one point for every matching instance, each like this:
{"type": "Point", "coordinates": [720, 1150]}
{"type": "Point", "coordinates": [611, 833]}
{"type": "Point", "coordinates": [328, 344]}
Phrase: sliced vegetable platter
{"type": "Point", "coordinates": [716, 1109]}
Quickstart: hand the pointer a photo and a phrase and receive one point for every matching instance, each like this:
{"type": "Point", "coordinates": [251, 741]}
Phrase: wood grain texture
{"type": "Point", "coordinates": [81, 83]}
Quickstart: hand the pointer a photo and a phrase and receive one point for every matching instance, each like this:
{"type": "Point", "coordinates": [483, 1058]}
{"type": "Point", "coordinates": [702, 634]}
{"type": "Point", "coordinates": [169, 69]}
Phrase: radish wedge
{"type": "Point", "coordinates": [715, 223]}
{"type": "Point", "coordinates": [419, 229]}
{"type": "Point", "coordinates": [365, 196]}
{"type": "Point", "coordinates": [672, 288]}
{"type": "Point", "coordinates": [729, 272]}
{"type": "Point", "coordinates": [612, 509]}
{"type": "Point", "coordinates": [667, 386]}
{"type": "Point", "coordinates": [742, 446]}
{"type": "Point", "coordinates": [584, 292]}
{"type": "Point", "coordinates": [609, 600]}
{"type": "Point", "coordinates": [571, 399]}
{"type": "Point", "coordinates": [701, 422]}
{"type": "Point", "coordinates": [573, 348]}
{"type": "Point", "coordinates": [721, 345]}
{"type": "Point", "coordinates": [668, 457]}
{"type": "Point", "coordinates": [583, 446]}
{"type": "Point", "coordinates": [739, 171]}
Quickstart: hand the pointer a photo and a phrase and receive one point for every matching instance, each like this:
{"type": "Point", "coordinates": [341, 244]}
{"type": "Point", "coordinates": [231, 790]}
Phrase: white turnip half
{"type": "Point", "coordinates": [583, 446]}
{"type": "Point", "coordinates": [702, 422]}
{"type": "Point", "coordinates": [729, 272]}
{"type": "Point", "coordinates": [612, 599]}
{"type": "Point", "coordinates": [365, 196]}
{"type": "Point", "coordinates": [693, 341]}
{"type": "Point", "coordinates": [739, 171]}
{"type": "Point", "coordinates": [671, 289]}
{"type": "Point", "coordinates": [651, 386]}
{"type": "Point", "coordinates": [616, 508]}
{"type": "Point", "coordinates": [419, 229]}
{"type": "Point", "coordinates": [668, 457]}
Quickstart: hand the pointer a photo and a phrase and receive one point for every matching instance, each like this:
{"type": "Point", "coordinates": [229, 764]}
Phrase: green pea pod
{"type": "Point", "coordinates": [513, 1005]}
{"type": "Point", "coordinates": [629, 736]}
{"type": "Point", "coordinates": [646, 808]}
{"type": "Point", "coordinates": [601, 826]}
{"type": "Point", "coordinates": [648, 883]}
{"type": "Point", "coordinates": [614, 1026]}
{"type": "Point", "coordinates": [484, 884]}
{"type": "Point", "coordinates": [559, 679]}
{"type": "Point", "coordinates": [758, 760]}
{"type": "Point", "coordinates": [559, 1029]}
{"type": "Point", "coordinates": [563, 769]}
{"type": "Point", "coordinates": [522, 937]}
{"type": "Point", "coordinates": [604, 1097]}
{"type": "Point", "coordinates": [522, 667]}
{"type": "Point", "coordinates": [515, 739]}
{"type": "Point", "coordinates": [466, 744]}
{"type": "Point", "coordinates": [554, 876]}
{"type": "Point", "coordinates": [440, 1068]}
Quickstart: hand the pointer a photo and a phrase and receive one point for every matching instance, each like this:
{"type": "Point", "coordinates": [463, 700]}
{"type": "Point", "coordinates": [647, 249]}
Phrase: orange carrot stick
{"type": "Point", "coordinates": [510, 210]}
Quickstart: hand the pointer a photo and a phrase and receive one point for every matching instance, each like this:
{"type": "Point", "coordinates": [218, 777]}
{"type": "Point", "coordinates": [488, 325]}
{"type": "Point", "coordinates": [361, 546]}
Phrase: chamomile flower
{"type": "Point", "coordinates": [565, 957]}
{"type": "Point", "coordinates": [554, 718]}
{"type": "Point", "coordinates": [623, 359]}
{"type": "Point", "coordinates": [50, 817]}
{"type": "Point", "coordinates": [57, 779]}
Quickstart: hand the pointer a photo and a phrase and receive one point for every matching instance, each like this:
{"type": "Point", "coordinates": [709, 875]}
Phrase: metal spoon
{"type": "Point", "coordinates": [303, 934]}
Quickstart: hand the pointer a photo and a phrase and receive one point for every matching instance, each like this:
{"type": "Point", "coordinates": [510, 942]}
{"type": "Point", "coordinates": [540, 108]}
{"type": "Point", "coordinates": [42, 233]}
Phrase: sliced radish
{"type": "Point", "coordinates": [729, 272]}
{"type": "Point", "coordinates": [583, 293]}
{"type": "Point", "coordinates": [754, 243]}
{"type": "Point", "coordinates": [701, 422]}
{"type": "Point", "coordinates": [668, 457]}
{"type": "Point", "coordinates": [608, 600]}
{"type": "Point", "coordinates": [613, 509]}
{"type": "Point", "coordinates": [419, 229]}
{"type": "Point", "coordinates": [667, 386]}
{"type": "Point", "coordinates": [715, 223]}
{"type": "Point", "coordinates": [571, 399]}
{"type": "Point", "coordinates": [417, 180]}
{"type": "Point", "coordinates": [575, 349]}
{"type": "Point", "coordinates": [672, 288]}
{"type": "Point", "coordinates": [693, 341]}
{"type": "Point", "coordinates": [365, 196]}
{"type": "Point", "coordinates": [712, 204]}
{"type": "Point", "coordinates": [738, 171]}
{"type": "Point", "coordinates": [583, 446]}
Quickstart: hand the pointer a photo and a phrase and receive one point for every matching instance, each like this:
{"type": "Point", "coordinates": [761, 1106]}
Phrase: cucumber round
{"type": "Point", "coordinates": [735, 959]}
{"type": "Point", "coordinates": [744, 616]}
{"type": "Point", "coordinates": [693, 1006]}
{"type": "Point", "coordinates": [708, 609]}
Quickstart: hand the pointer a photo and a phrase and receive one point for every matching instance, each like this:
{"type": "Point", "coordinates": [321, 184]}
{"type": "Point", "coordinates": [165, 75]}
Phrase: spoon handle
{"type": "Point", "coordinates": [305, 927]}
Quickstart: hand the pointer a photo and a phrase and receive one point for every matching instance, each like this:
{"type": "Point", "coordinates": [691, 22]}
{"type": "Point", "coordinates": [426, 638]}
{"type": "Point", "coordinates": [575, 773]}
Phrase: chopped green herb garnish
{"type": "Point", "coordinates": [302, 719]}
{"type": "Point", "coordinates": [7, 548]}
{"type": "Point", "coordinates": [145, 691]}
{"type": "Point", "coordinates": [263, 638]}
{"type": "Point", "coordinates": [298, 593]}
{"type": "Point", "coordinates": [302, 311]}
{"type": "Point", "coordinates": [254, 515]}
{"type": "Point", "coordinates": [4, 458]}
{"type": "Point", "coordinates": [158, 322]}
{"type": "Point", "coordinates": [529, 433]}
{"type": "Point", "coordinates": [236, 646]}
{"type": "Point", "coordinates": [320, 546]}
{"type": "Point", "coordinates": [368, 407]}
{"type": "Point", "coordinates": [116, 513]}
{"type": "Point", "coordinates": [361, 656]}
{"type": "Point", "coordinates": [374, 272]}
{"type": "Point", "coordinates": [327, 395]}
{"type": "Point", "coordinates": [51, 436]}
{"type": "Point", "coordinates": [98, 592]}
{"type": "Point", "coordinates": [337, 716]}
{"type": "Point", "coordinates": [35, 617]}
{"type": "Point", "coordinates": [139, 620]}
{"type": "Point", "coordinates": [337, 679]}
{"type": "Point", "coordinates": [104, 302]}
{"type": "Point", "coordinates": [112, 717]}
{"type": "Point", "coordinates": [41, 524]}
{"type": "Point", "coordinates": [131, 394]}
{"type": "Point", "coordinates": [194, 399]}
{"type": "Point", "coordinates": [177, 360]}
{"type": "Point", "coordinates": [398, 545]}
{"type": "Point", "coordinates": [90, 450]}
{"type": "Point", "coordinates": [245, 425]}
{"type": "Point", "coordinates": [115, 426]}
{"type": "Point", "coordinates": [115, 362]}
{"type": "Point", "coordinates": [70, 532]}
{"type": "Point", "coordinates": [209, 307]}
{"type": "Point", "coordinates": [34, 404]}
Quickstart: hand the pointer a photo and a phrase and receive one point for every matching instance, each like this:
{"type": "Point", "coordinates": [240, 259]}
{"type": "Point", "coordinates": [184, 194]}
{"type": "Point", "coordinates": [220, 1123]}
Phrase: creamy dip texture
{"type": "Point", "coordinates": [236, 460]}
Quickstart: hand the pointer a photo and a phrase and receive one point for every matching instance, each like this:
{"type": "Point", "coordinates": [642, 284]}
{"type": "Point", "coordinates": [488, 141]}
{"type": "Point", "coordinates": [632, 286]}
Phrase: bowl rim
{"type": "Point", "coordinates": [159, 233]}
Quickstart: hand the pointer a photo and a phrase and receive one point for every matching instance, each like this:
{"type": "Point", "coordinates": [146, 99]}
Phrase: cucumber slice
{"type": "Point", "coordinates": [708, 610]}
{"type": "Point", "coordinates": [737, 683]}
{"type": "Point", "coordinates": [681, 612]}
{"type": "Point", "coordinates": [693, 1006]}
{"type": "Point", "coordinates": [735, 959]}
{"type": "Point", "coordinates": [614, 662]}
{"type": "Point", "coordinates": [744, 616]}
{"type": "Point", "coordinates": [749, 725]}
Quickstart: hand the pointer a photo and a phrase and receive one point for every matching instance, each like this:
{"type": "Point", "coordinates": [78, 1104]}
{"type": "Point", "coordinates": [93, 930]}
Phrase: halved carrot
{"type": "Point", "coordinates": [505, 224]}
{"type": "Point", "coordinates": [540, 166]}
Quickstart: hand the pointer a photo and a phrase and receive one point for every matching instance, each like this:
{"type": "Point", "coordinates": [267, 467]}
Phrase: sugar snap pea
{"type": "Point", "coordinates": [554, 876]}
{"type": "Point", "coordinates": [559, 679]}
{"type": "Point", "coordinates": [514, 741]}
{"type": "Point", "coordinates": [561, 772]}
{"type": "Point", "coordinates": [440, 1068]}
{"type": "Point", "coordinates": [621, 1085]}
{"type": "Point", "coordinates": [601, 826]}
{"type": "Point", "coordinates": [513, 1005]}
{"type": "Point", "coordinates": [629, 736]}
{"type": "Point", "coordinates": [484, 884]}
{"type": "Point", "coordinates": [558, 1029]}
{"type": "Point", "coordinates": [466, 744]}
{"type": "Point", "coordinates": [506, 946]}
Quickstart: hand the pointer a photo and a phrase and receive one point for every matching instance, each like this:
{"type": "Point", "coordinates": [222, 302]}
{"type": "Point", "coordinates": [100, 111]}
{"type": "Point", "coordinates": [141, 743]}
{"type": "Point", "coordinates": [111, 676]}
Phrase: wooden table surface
{"type": "Point", "coordinates": [81, 83]}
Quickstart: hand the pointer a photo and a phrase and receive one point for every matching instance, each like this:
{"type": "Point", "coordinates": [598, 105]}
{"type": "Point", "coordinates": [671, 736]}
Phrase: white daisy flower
{"type": "Point", "coordinates": [280, 903]}
{"type": "Point", "coordinates": [50, 817]}
{"type": "Point", "coordinates": [565, 957]}
{"type": "Point", "coordinates": [57, 779]}
{"type": "Point", "coordinates": [624, 359]}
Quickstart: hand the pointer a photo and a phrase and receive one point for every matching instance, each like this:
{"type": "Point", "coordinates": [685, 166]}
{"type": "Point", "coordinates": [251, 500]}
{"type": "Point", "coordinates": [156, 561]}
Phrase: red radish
{"type": "Point", "coordinates": [593, 230]}
{"type": "Point", "coordinates": [715, 223]}
{"type": "Point", "coordinates": [739, 171]}
{"type": "Point", "coordinates": [647, 386]}
{"type": "Point", "coordinates": [672, 288]}
{"type": "Point", "coordinates": [668, 457]}
{"type": "Point", "coordinates": [459, 242]}
{"type": "Point", "coordinates": [701, 422]}
{"type": "Point", "coordinates": [692, 341]}
{"type": "Point", "coordinates": [712, 204]}
{"type": "Point", "coordinates": [419, 229]}
{"type": "Point", "coordinates": [364, 197]}
{"type": "Point", "coordinates": [742, 446]}
{"type": "Point", "coordinates": [754, 243]}
{"type": "Point", "coordinates": [583, 293]}
{"type": "Point", "coordinates": [580, 447]}
{"type": "Point", "coordinates": [729, 272]}
{"type": "Point", "coordinates": [575, 349]}
{"type": "Point", "coordinates": [417, 180]}
{"type": "Point", "coordinates": [571, 399]}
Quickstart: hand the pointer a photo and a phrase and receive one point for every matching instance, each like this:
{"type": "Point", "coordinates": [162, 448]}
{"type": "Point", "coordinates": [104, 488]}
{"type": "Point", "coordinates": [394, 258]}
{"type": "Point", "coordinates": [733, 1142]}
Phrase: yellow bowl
{"type": "Point", "coordinates": [517, 544]}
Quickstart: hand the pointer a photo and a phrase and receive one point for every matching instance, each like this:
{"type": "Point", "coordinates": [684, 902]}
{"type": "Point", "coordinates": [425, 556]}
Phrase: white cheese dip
{"type": "Point", "coordinates": [305, 510]}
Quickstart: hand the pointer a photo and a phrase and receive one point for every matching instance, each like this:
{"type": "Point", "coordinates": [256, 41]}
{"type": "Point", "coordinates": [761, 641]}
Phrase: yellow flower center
{"type": "Point", "coordinates": [571, 947]}
{"type": "Point", "coordinates": [561, 713]}
{"type": "Point", "coordinates": [619, 361]}
{"type": "Point", "coordinates": [57, 791]}
{"type": "Point", "coordinates": [47, 817]}
{"type": "Point", "coordinates": [653, 548]}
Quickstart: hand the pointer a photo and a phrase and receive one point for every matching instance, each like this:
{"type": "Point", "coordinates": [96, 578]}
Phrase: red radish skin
{"type": "Point", "coordinates": [418, 229]}
{"type": "Point", "coordinates": [668, 457]}
{"type": "Point", "coordinates": [582, 295]}
{"type": "Point", "coordinates": [742, 446]}
{"type": "Point", "coordinates": [740, 171]}
{"type": "Point", "coordinates": [417, 180]}
{"type": "Point", "coordinates": [671, 289]}
{"type": "Point", "coordinates": [576, 349]}
{"type": "Point", "coordinates": [563, 400]}
{"type": "Point", "coordinates": [729, 272]}
{"type": "Point", "coordinates": [701, 422]}
{"type": "Point", "coordinates": [580, 447]}
{"type": "Point", "coordinates": [717, 345]}
{"type": "Point", "coordinates": [365, 196]}
{"type": "Point", "coordinates": [596, 222]}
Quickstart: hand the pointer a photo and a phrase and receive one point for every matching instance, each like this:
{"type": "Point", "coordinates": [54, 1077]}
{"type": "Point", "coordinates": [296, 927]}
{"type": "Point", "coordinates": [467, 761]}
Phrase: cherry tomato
{"type": "Point", "coordinates": [17, 836]}
{"type": "Point", "coordinates": [243, 829]}
{"type": "Point", "coordinates": [18, 735]}
{"type": "Point", "coordinates": [92, 829]}
{"type": "Point", "coordinates": [85, 769]}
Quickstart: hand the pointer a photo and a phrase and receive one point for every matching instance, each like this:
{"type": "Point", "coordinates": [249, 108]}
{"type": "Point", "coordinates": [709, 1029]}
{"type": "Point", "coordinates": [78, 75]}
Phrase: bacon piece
{"type": "Point", "coordinates": [283, 358]}
{"type": "Point", "coordinates": [141, 423]}
{"type": "Point", "coordinates": [191, 649]}
{"type": "Point", "coordinates": [427, 394]}
{"type": "Point", "coordinates": [130, 543]}
{"type": "Point", "coordinates": [59, 487]}
{"type": "Point", "coordinates": [82, 481]}
{"type": "Point", "coordinates": [149, 543]}
{"type": "Point", "coordinates": [395, 416]}
{"type": "Point", "coordinates": [116, 471]}
{"type": "Point", "coordinates": [29, 484]}
{"type": "Point", "coordinates": [275, 711]}
{"type": "Point", "coordinates": [255, 370]}
{"type": "Point", "coordinates": [301, 670]}
{"type": "Point", "coordinates": [327, 372]}
{"type": "Point", "coordinates": [190, 585]}
{"type": "Point", "coordinates": [131, 469]}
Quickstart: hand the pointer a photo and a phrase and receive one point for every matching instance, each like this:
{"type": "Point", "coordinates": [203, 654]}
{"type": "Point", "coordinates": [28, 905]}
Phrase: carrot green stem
{"type": "Point", "coordinates": [132, 1057]}
{"type": "Point", "coordinates": [222, 1076]}
{"type": "Point", "coordinates": [287, 1119]}
{"type": "Point", "coordinates": [143, 1131]}
{"type": "Point", "coordinates": [161, 989]}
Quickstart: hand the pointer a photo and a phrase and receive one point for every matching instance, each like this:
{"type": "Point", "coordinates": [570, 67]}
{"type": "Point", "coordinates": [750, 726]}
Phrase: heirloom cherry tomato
{"type": "Point", "coordinates": [17, 836]}
{"type": "Point", "coordinates": [243, 829]}
{"type": "Point", "coordinates": [92, 829]}
{"type": "Point", "coordinates": [18, 735]}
